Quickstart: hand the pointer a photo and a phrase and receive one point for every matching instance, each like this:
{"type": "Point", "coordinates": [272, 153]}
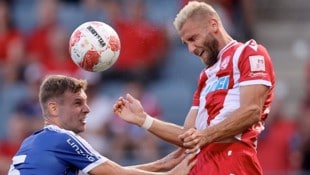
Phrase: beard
{"type": "Point", "coordinates": [212, 47]}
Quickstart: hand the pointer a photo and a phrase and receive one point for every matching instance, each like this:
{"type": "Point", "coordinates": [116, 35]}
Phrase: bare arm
{"type": "Point", "coordinates": [112, 168]}
{"type": "Point", "coordinates": [165, 164]}
{"type": "Point", "coordinates": [170, 132]}
{"type": "Point", "coordinates": [131, 110]}
{"type": "Point", "coordinates": [252, 99]}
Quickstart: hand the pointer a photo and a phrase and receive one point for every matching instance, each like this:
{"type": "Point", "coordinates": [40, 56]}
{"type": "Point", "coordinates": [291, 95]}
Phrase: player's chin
{"type": "Point", "coordinates": [82, 126]}
{"type": "Point", "coordinates": [80, 129]}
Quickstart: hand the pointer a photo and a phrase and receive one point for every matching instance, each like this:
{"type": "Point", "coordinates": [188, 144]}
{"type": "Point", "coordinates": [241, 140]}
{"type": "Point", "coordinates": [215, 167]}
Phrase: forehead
{"type": "Point", "coordinates": [73, 96]}
{"type": "Point", "coordinates": [192, 26]}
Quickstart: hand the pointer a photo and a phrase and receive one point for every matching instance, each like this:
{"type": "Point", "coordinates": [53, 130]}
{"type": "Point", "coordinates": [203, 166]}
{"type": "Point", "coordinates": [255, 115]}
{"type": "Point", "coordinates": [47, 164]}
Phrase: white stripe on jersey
{"type": "Point", "coordinates": [236, 70]}
{"type": "Point", "coordinates": [251, 82]}
{"type": "Point", "coordinates": [19, 159]}
{"type": "Point", "coordinates": [93, 165]}
{"type": "Point", "coordinates": [232, 99]}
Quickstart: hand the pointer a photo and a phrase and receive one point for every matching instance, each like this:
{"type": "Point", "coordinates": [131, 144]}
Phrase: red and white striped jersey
{"type": "Point", "coordinates": [218, 91]}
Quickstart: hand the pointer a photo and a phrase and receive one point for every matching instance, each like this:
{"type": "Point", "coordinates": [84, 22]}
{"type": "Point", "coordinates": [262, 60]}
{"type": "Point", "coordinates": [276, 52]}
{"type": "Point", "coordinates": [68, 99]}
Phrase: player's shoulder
{"type": "Point", "coordinates": [47, 138]}
{"type": "Point", "coordinates": [58, 135]}
{"type": "Point", "coordinates": [63, 137]}
{"type": "Point", "coordinates": [252, 47]}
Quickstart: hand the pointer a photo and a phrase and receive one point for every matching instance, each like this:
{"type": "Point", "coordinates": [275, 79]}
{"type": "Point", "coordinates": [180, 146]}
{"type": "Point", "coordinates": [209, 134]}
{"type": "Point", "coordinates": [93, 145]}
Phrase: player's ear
{"type": "Point", "coordinates": [213, 23]}
{"type": "Point", "coordinates": [52, 107]}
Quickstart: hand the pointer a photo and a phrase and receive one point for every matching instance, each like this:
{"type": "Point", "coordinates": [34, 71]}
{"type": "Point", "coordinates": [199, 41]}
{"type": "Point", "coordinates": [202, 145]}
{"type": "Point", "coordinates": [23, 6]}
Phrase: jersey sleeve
{"type": "Point", "coordinates": [255, 65]}
{"type": "Point", "coordinates": [78, 152]}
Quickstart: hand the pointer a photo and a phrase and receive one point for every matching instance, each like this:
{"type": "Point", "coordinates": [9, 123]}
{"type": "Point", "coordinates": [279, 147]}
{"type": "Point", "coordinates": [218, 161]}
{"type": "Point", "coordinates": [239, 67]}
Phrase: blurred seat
{"type": "Point", "coordinates": [175, 98]}
{"type": "Point", "coordinates": [182, 66]}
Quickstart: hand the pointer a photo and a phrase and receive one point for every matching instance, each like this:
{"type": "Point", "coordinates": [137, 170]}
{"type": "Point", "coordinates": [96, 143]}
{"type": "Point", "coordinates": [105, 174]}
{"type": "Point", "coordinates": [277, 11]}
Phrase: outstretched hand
{"type": "Point", "coordinates": [129, 109]}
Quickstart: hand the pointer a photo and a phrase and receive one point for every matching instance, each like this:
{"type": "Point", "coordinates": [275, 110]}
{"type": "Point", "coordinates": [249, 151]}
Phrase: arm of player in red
{"type": "Point", "coordinates": [248, 114]}
{"type": "Point", "coordinates": [131, 110]}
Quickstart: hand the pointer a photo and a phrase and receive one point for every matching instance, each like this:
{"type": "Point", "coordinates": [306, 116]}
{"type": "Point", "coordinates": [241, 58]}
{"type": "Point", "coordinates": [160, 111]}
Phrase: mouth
{"type": "Point", "coordinates": [83, 121]}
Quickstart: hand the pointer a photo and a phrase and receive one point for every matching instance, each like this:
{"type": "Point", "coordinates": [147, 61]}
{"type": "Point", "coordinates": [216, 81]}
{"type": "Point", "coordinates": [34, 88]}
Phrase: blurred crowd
{"type": "Point", "coordinates": [153, 66]}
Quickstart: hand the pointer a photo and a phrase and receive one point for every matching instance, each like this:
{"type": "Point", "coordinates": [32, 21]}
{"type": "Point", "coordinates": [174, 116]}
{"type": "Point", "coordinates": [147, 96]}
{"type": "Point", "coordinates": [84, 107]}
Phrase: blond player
{"type": "Point", "coordinates": [230, 104]}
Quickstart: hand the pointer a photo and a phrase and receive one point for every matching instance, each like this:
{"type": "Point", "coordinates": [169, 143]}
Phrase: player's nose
{"type": "Point", "coordinates": [86, 109]}
{"type": "Point", "coordinates": [191, 48]}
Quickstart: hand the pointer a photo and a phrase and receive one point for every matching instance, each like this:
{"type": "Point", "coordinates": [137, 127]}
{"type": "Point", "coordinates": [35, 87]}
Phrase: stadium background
{"type": "Point", "coordinates": [281, 25]}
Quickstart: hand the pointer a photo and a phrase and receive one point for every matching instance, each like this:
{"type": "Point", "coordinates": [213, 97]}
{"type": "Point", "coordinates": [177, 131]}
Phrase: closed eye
{"type": "Point", "coordinates": [77, 102]}
{"type": "Point", "coordinates": [191, 39]}
{"type": "Point", "coordinates": [188, 40]}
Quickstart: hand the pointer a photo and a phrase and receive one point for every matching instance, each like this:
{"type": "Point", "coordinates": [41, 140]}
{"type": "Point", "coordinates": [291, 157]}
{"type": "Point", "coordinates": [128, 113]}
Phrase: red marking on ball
{"type": "Point", "coordinates": [91, 58]}
{"type": "Point", "coordinates": [114, 43]}
{"type": "Point", "coordinates": [75, 38]}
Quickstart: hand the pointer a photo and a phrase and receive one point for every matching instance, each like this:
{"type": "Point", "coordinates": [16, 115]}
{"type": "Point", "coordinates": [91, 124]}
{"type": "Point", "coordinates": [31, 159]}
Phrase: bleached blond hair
{"type": "Point", "coordinates": [191, 9]}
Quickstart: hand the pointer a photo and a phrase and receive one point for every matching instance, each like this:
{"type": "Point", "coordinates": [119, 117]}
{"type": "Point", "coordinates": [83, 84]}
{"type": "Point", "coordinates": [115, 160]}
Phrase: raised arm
{"type": "Point", "coordinates": [131, 110]}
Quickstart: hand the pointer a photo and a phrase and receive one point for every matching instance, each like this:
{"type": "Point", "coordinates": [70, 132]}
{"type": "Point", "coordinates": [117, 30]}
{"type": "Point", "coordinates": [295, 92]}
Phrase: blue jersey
{"type": "Point", "coordinates": [54, 151]}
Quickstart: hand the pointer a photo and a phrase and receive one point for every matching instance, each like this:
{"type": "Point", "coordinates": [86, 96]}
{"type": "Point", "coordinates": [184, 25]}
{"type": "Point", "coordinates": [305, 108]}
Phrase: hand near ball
{"type": "Point", "coordinates": [130, 110]}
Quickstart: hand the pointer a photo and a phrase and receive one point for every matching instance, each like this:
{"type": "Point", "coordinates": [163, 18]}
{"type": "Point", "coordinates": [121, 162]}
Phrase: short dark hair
{"type": "Point", "coordinates": [55, 86]}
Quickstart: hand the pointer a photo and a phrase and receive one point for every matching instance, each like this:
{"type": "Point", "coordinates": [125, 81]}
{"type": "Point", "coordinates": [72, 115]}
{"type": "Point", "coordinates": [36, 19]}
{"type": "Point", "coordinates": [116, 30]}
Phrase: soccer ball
{"type": "Point", "coordinates": [94, 46]}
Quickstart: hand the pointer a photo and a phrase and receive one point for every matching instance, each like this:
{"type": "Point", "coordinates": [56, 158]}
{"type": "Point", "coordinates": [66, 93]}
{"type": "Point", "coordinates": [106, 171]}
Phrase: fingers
{"type": "Point", "coordinates": [189, 157]}
{"type": "Point", "coordinates": [191, 141]}
{"type": "Point", "coordinates": [192, 150]}
{"type": "Point", "coordinates": [192, 160]}
{"type": "Point", "coordinates": [187, 134]}
{"type": "Point", "coordinates": [190, 138]}
{"type": "Point", "coordinates": [119, 104]}
{"type": "Point", "coordinates": [130, 98]}
{"type": "Point", "coordinates": [185, 166]}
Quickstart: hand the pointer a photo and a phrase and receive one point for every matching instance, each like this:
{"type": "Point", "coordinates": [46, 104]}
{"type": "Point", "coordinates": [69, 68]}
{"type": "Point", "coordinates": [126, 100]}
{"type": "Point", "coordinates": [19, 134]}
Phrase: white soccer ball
{"type": "Point", "coordinates": [94, 46]}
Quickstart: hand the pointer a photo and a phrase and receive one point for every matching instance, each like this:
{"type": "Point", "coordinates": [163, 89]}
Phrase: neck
{"type": "Point", "coordinates": [225, 38]}
{"type": "Point", "coordinates": [49, 122]}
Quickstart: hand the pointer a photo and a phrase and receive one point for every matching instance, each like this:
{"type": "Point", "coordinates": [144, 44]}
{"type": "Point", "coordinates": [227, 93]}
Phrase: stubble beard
{"type": "Point", "coordinates": [212, 48]}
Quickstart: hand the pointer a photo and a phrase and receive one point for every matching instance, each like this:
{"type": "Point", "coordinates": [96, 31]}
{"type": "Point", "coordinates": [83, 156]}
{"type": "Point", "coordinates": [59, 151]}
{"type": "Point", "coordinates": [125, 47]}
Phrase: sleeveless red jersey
{"type": "Point", "coordinates": [218, 91]}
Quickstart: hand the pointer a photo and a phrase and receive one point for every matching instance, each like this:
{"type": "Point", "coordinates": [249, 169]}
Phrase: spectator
{"type": "Point", "coordinates": [126, 139]}
{"type": "Point", "coordinates": [23, 121]}
{"type": "Point", "coordinates": [48, 41]}
{"type": "Point", "coordinates": [144, 44]}
{"type": "Point", "coordinates": [47, 19]}
{"type": "Point", "coordinates": [92, 10]}
{"type": "Point", "coordinates": [58, 60]}
{"type": "Point", "coordinates": [304, 130]}
{"type": "Point", "coordinates": [278, 144]}
{"type": "Point", "coordinates": [10, 36]}
{"type": "Point", "coordinates": [303, 118]}
{"type": "Point", "coordinates": [100, 103]}
{"type": "Point", "coordinates": [12, 56]}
